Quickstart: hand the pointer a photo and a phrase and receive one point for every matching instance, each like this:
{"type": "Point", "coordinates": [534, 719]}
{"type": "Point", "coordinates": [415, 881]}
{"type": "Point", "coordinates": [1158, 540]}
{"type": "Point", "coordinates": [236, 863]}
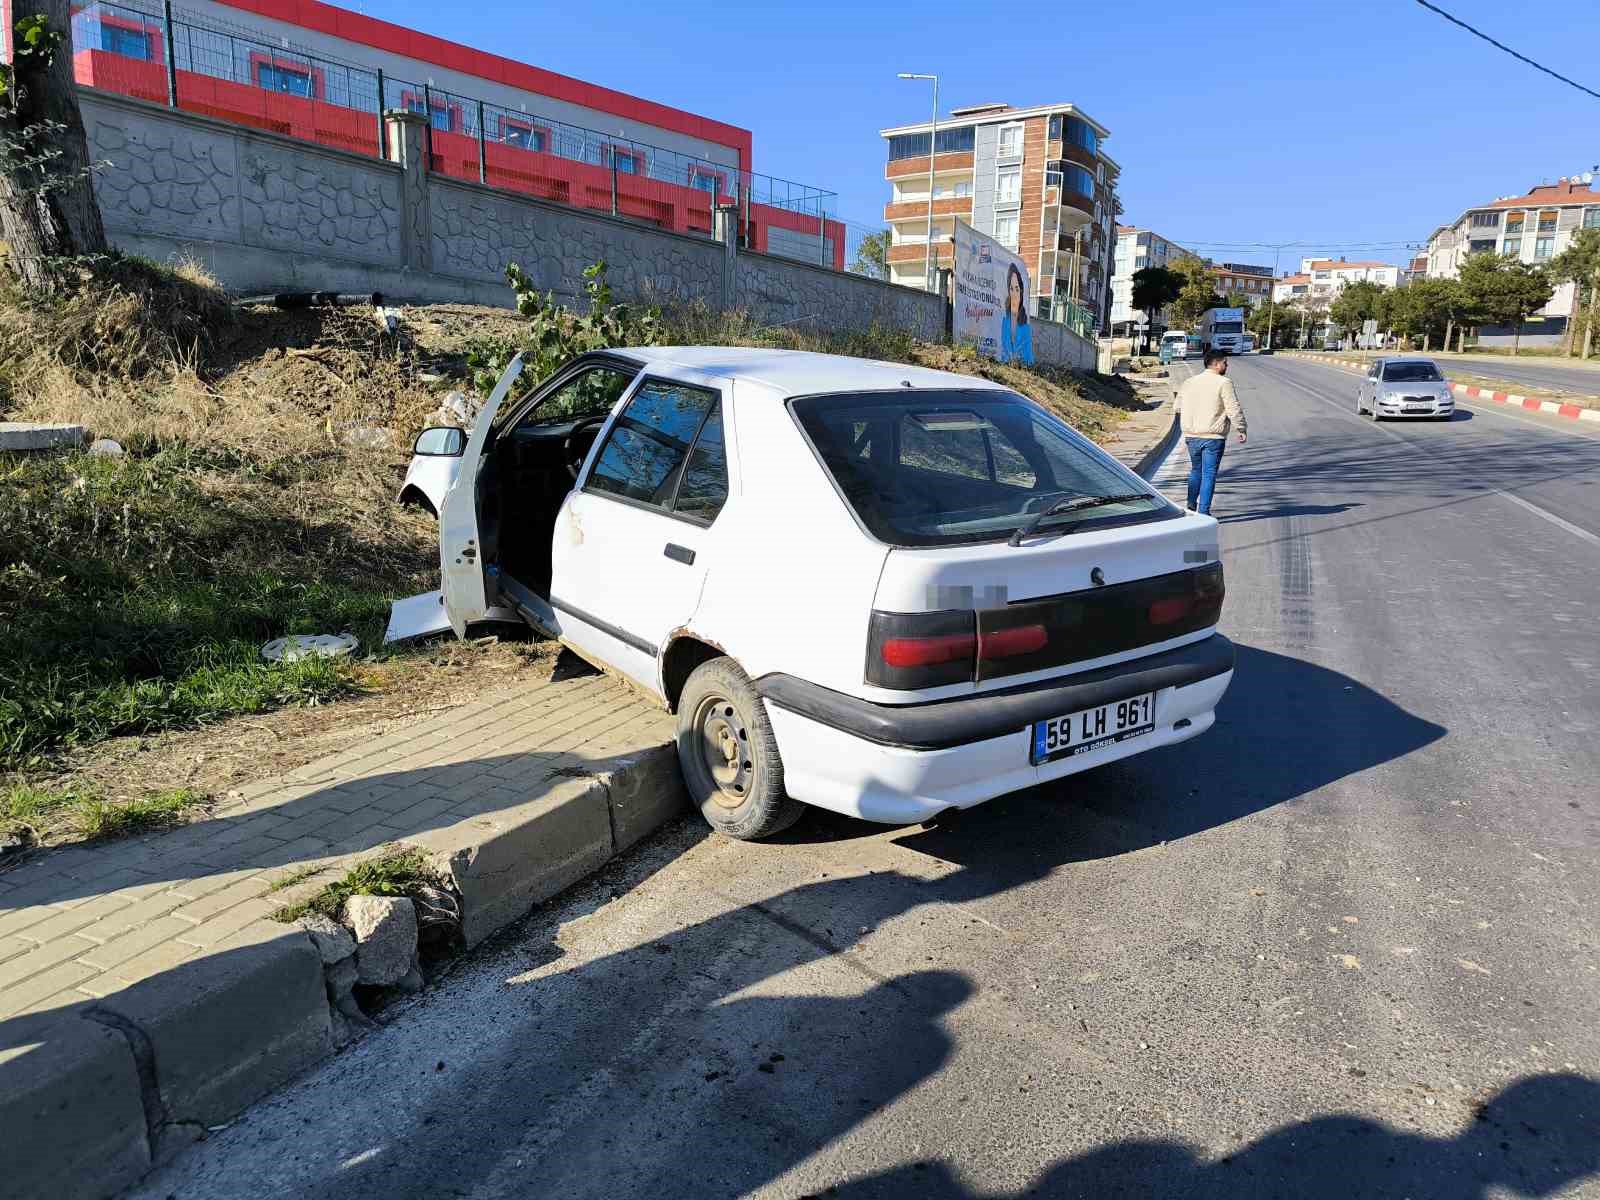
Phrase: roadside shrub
{"type": "Point", "coordinates": [555, 334]}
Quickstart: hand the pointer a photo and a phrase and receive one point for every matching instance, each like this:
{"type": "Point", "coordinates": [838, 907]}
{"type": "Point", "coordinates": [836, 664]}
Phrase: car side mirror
{"type": "Point", "coordinates": [441, 441]}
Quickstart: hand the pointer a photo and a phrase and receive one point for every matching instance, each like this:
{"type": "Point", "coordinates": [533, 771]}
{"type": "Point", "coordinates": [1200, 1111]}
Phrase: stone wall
{"type": "Point", "coordinates": [778, 291]}
{"type": "Point", "coordinates": [271, 214]}
{"type": "Point", "coordinates": [477, 230]}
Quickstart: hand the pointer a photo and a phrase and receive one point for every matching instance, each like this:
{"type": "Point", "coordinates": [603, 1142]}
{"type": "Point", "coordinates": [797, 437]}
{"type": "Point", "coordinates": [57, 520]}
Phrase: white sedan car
{"type": "Point", "coordinates": [1405, 387]}
{"type": "Point", "coordinates": [869, 587]}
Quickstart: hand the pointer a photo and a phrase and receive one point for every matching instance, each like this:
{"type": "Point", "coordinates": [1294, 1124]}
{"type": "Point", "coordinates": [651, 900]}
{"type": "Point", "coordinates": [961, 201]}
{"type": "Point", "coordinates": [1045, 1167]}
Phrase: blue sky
{"type": "Point", "coordinates": [1370, 121]}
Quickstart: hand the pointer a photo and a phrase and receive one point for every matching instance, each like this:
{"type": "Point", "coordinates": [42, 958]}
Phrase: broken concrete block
{"type": "Point", "coordinates": [386, 937]}
{"type": "Point", "coordinates": [332, 940]}
{"type": "Point", "coordinates": [106, 448]}
{"type": "Point", "coordinates": [36, 435]}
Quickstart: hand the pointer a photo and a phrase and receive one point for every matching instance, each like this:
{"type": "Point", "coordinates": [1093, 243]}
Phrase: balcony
{"type": "Point", "coordinates": [900, 168]}
{"type": "Point", "coordinates": [916, 252]}
{"type": "Point", "coordinates": [951, 206]}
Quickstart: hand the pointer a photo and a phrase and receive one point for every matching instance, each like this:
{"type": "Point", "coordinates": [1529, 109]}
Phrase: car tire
{"type": "Point", "coordinates": [729, 755]}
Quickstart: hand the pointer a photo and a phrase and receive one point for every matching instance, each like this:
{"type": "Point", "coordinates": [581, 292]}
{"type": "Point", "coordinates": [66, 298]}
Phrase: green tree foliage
{"type": "Point", "coordinates": [872, 256]}
{"type": "Point", "coordinates": [1359, 302]}
{"type": "Point", "coordinates": [1153, 289]}
{"type": "Point", "coordinates": [1236, 300]}
{"type": "Point", "coordinates": [1579, 263]}
{"type": "Point", "coordinates": [1284, 317]}
{"type": "Point", "coordinates": [1505, 291]}
{"type": "Point", "coordinates": [555, 334]}
{"type": "Point", "coordinates": [1197, 294]}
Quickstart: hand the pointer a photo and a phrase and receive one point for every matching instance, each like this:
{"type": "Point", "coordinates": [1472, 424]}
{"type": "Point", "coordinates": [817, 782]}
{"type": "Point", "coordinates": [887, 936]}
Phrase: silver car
{"type": "Point", "coordinates": [1405, 387]}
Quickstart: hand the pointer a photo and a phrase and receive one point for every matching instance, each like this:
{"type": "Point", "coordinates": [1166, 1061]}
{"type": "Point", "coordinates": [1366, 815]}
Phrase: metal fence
{"type": "Point", "coordinates": [201, 64]}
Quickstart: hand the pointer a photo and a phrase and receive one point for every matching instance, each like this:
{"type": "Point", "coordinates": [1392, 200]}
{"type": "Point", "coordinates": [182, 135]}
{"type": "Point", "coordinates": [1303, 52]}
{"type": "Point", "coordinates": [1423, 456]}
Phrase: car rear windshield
{"type": "Point", "coordinates": [1412, 372]}
{"type": "Point", "coordinates": [926, 468]}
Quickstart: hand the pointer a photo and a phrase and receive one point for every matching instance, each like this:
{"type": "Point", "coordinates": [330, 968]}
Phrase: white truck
{"type": "Point", "coordinates": [1221, 329]}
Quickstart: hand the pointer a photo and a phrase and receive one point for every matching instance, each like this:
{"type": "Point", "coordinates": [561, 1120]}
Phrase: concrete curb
{"type": "Point", "coordinates": [1151, 458]}
{"type": "Point", "coordinates": [1532, 403]}
{"type": "Point", "coordinates": [92, 1095]}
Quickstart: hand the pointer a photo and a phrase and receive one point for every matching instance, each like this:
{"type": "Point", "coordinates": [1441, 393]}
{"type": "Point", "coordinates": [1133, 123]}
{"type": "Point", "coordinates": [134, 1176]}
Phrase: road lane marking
{"type": "Point", "coordinates": [1549, 516]}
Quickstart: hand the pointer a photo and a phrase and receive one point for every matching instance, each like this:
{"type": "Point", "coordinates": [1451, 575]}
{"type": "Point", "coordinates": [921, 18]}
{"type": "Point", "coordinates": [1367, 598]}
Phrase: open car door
{"type": "Point", "coordinates": [461, 569]}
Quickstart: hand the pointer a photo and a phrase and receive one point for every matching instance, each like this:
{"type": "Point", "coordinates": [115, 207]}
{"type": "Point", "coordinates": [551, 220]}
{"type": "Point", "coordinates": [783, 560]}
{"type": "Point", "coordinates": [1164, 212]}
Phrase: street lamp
{"type": "Point", "coordinates": [933, 146]}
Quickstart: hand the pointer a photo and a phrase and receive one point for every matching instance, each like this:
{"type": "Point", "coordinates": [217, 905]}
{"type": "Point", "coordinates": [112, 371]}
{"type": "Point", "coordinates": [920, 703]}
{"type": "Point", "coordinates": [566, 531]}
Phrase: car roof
{"type": "Point", "coordinates": [800, 372]}
{"type": "Point", "coordinates": [1409, 358]}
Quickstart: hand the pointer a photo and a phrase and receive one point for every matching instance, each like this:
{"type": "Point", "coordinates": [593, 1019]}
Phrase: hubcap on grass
{"type": "Point", "coordinates": [725, 750]}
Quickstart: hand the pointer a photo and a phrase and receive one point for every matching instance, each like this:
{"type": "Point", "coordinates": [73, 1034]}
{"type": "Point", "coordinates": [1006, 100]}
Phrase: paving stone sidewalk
{"type": "Point", "coordinates": [84, 922]}
{"type": "Point", "coordinates": [1140, 437]}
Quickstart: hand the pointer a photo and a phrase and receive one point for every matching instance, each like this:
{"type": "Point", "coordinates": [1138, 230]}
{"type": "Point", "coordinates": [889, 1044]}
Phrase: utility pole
{"type": "Point", "coordinates": [1272, 294]}
{"type": "Point", "coordinates": [933, 149]}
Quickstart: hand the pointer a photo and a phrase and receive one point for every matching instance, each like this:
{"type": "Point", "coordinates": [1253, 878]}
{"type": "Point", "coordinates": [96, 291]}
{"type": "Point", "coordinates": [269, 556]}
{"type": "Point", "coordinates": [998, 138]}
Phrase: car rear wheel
{"type": "Point", "coordinates": [729, 756]}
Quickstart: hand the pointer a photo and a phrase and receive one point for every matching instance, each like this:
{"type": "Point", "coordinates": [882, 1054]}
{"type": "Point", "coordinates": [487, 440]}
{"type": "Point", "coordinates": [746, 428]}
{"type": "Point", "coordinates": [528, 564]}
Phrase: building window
{"type": "Point", "coordinates": [1591, 218]}
{"type": "Point", "coordinates": [1481, 246]}
{"type": "Point", "coordinates": [1010, 141]}
{"type": "Point", "coordinates": [1514, 222]}
{"type": "Point", "coordinates": [1544, 247]}
{"type": "Point", "coordinates": [286, 80]}
{"type": "Point", "coordinates": [1547, 222]}
{"type": "Point", "coordinates": [915, 145]}
{"type": "Point", "coordinates": [1008, 185]}
{"type": "Point", "coordinates": [524, 135]}
{"type": "Point", "coordinates": [1512, 246]}
{"type": "Point", "coordinates": [628, 160]}
{"type": "Point", "coordinates": [706, 179]}
{"type": "Point", "coordinates": [1485, 220]}
{"type": "Point", "coordinates": [1005, 229]}
{"type": "Point", "coordinates": [1055, 127]}
{"type": "Point", "coordinates": [963, 189]}
{"type": "Point", "coordinates": [441, 115]}
{"type": "Point", "coordinates": [118, 39]}
{"type": "Point", "coordinates": [1080, 133]}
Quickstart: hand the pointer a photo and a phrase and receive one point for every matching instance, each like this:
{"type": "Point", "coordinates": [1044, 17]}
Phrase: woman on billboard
{"type": "Point", "coordinates": [1016, 338]}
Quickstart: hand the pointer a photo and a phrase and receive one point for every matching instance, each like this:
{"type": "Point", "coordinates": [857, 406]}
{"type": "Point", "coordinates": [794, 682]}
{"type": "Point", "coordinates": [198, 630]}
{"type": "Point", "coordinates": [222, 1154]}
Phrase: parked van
{"type": "Point", "coordinates": [1174, 344]}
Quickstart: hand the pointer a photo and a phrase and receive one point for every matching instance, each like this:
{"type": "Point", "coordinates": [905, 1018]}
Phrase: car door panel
{"type": "Point", "coordinates": [463, 579]}
{"type": "Point", "coordinates": [633, 541]}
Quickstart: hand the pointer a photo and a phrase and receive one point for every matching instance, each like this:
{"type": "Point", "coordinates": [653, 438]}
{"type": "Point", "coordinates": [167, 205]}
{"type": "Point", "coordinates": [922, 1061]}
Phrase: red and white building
{"type": "Point", "coordinates": [323, 74]}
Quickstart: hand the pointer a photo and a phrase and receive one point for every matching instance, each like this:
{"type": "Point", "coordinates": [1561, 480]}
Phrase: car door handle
{"type": "Point", "coordinates": [679, 553]}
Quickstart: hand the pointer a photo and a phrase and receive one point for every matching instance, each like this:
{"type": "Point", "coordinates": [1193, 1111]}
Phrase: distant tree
{"type": "Point", "coordinates": [1432, 305]}
{"type": "Point", "coordinates": [1579, 264]}
{"type": "Point", "coordinates": [48, 210]}
{"type": "Point", "coordinates": [1153, 289]}
{"type": "Point", "coordinates": [1236, 300]}
{"type": "Point", "coordinates": [1285, 319]}
{"type": "Point", "coordinates": [1359, 302]}
{"type": "Point", "coordinates": [872, 256]}
{"type": "Point", "coordinates": [1197, 294]}
{"type": "Point", "coordinates": [1505, 290]}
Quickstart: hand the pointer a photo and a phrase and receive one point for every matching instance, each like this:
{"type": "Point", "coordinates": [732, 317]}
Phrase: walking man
{"type": "Point", "coordinates": [1208, 408]}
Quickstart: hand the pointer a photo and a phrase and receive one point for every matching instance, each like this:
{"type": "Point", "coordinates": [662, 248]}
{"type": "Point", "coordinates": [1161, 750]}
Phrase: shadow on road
{"type": "Point", "coordinates": [1536, 1137]}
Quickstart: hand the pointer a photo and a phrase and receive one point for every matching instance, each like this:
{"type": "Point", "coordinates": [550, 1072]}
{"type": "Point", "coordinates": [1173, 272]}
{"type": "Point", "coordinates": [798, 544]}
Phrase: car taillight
{"type": "Point", "coordinates": [903, 652]}
{"type": "Point", "coordinates": [1008, 643]}
{"type": "Point", "coordinates": [1173, 608]}
{"type": "Point", "coordinates": [909, 651]}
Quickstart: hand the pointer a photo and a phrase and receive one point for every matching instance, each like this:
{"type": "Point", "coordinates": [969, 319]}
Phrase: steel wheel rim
{"type": "Point", "coordinates": [722, 739]}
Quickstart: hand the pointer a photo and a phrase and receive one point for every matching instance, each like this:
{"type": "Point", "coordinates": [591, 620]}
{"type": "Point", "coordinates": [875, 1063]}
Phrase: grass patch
{"type": "Point", "coordinates": [135, 596]}
{"type": "Point", "coordinates": [285, 882]}
{"type": "Point", "coordinates": [402, 874]}
{"type": "Point", "coordinates": [48, 814]}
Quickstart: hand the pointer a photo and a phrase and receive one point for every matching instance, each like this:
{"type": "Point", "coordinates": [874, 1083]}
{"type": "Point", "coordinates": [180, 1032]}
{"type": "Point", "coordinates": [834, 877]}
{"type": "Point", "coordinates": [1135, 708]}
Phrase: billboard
{"type": "Point", "coordinates": [992, 294]}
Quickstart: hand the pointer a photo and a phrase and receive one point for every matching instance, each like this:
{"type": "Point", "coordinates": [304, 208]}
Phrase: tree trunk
{"type": "Point", "coordinates": [1516, 337]}
{"type": "Point", "coordinates": [1449, 331]}
{"type": "Point", "coordinates": [47, 211]}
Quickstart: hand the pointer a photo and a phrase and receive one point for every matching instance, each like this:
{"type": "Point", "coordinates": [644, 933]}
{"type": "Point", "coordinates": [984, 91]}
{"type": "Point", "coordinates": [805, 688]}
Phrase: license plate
{"type": "Point", "coordinates": [1092, 728]}
{"type": "Point", "coordinates": [1419, 408]}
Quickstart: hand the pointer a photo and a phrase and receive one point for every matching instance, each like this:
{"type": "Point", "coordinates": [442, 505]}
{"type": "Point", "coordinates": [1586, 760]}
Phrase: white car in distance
{"type": "Point", "coordinates": [873, 588]}
{"type": "Point", "coordinates": [1405, 387]}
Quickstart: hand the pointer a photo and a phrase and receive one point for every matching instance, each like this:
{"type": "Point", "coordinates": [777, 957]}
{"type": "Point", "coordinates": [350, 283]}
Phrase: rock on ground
{"type": "Point", "coordinates": [386, 937]}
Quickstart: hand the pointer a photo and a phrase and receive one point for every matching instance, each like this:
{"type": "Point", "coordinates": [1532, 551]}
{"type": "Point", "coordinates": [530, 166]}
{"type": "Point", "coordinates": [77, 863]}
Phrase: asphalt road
{"type": "Point", "coordinates": [1344, 944]}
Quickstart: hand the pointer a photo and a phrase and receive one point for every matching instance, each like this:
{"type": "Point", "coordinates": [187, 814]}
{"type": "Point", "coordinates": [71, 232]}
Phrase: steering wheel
{"type": "Point", "coordinates": [570, 454]}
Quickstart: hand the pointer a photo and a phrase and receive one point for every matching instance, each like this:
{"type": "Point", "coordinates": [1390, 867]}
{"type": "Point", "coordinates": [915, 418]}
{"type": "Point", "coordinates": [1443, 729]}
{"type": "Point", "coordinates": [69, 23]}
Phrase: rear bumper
{"type": "Point", "coordinates": [905, 764]}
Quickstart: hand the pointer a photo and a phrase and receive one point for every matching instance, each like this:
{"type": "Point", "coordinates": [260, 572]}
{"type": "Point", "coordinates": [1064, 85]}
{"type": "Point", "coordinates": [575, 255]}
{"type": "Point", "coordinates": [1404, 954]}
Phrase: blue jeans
{"type": "Point", "coordinates": [1205, 456]}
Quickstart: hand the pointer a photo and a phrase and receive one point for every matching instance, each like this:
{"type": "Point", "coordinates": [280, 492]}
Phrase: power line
{"type": "Point", "coordinates": [1502, 46]}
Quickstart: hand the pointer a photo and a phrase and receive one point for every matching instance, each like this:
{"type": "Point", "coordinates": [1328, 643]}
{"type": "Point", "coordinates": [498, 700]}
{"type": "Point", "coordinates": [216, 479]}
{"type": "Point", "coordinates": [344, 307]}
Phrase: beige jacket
{"type": "Point", "coordinates": [1207, 405]}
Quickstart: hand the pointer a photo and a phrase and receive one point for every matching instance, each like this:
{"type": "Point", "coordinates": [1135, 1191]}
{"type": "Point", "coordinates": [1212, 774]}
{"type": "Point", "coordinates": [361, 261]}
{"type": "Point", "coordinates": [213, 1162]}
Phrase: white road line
{"type": "Point", "coordinates": [1550, 516]}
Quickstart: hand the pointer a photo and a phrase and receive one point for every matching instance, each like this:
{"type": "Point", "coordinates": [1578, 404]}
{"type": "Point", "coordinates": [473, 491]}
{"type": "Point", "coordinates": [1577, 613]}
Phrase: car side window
{"type": "Point", "coordinates": [651, 443]}
{"type": "Point", "coordinates": [705, 481]}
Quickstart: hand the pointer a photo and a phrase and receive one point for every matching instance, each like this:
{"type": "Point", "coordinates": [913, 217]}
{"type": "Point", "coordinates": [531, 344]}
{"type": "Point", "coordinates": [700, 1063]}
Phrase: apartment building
{"type": "Point", "coordinates": [1254, 282]}
{"type": "Point", "coordinates": [1135, 250]}
{"type": "Point", "coordinates": [1532, 227]}
{"type": "Point", "coordinates": [1321, 279]}
{"type": "Point", "coordinates": [1037, 179]}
